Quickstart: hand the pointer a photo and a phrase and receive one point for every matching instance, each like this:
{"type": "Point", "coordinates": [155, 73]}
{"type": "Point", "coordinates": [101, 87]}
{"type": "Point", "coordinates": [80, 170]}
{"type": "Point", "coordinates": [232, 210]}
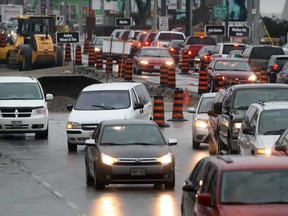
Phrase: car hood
{"type": "Point", "coordinates": [254, 210]}
{"type": "Point", "coordinates": [92, 116]}
{"type": "Point", "coordinates": [266, 141]}
{"type": "Point", "coordinates": [22, 103]}
{"type": "Point", "coordinates": [235, 74]}
{"type": "Point", "coordinates": [135, 151]}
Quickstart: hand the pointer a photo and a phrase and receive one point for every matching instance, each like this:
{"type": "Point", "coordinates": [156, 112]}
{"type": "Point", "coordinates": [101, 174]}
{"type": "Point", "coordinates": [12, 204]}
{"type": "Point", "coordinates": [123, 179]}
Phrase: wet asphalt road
{"type": "Point", "coordinates": [39, 177]}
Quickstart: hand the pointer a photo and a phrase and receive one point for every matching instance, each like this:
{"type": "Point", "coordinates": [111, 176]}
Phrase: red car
{"type": "Point", "coordinates": [235, 185]}
{"type": "Point", "coordinates": [229, 71]}
{"type": "Point", "coordinates": [150, 59]}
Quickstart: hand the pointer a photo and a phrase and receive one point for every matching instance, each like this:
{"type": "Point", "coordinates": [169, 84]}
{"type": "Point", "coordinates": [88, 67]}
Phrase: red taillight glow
{"type": "Point", "coordinates": [274, 67]}
{"type": "Point", "coordinates": [236, 45]}
{"type": "Point", "coordinates": [158, 44]}
{"type": "Point", "coordinates": [172, 50]}
{"type": "Point", "coordinates": [189, 52]}
{"type": "Point", "coordinates": [147, 44]}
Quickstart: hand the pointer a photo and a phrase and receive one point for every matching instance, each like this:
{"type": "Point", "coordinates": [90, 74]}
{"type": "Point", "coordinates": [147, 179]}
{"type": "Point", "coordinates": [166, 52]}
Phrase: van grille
{"type": "Point", "coordinates": [89, 127]}
{"type": "Point", "coordinates": [16, 112]}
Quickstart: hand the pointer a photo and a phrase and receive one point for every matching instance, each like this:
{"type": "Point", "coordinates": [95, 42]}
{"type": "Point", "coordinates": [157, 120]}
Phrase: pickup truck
{"type": "Point", "coordinates": [231, 111]}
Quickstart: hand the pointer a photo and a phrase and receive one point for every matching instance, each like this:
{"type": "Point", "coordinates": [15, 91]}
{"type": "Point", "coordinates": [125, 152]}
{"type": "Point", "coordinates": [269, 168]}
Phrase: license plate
{"type": "Point", "coordinates": [157, 67]}
{"type": "Point", "coordinates": [16, 123]}
{"type": "Point", "coordinates": [137, 171]}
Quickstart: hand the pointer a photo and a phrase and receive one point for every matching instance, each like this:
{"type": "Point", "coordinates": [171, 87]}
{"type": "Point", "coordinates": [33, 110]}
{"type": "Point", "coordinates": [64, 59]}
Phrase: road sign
{"type": "Point", "coordinates": [59, 20]}
{"type": "Point", "coordinates": [214, 30]}
{"type": "Point", "coordinates": [219, 11]}
{"type": "Point", "coordinates": [123, 21]}
{"type": "Point", "coordinates": [67, 37]}
{"type": "Point", "coordinates": [239, 31]}
{"type": "Point", "coordinates": [99, 20]}
{"type": "Point", "coordinates": [163, 23]}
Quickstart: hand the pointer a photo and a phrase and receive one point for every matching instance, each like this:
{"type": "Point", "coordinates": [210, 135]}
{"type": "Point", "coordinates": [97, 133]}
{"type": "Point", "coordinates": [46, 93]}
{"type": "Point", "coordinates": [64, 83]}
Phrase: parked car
{"type": "Point", "coordinates": [192, 45]}
{"type": "Point", "coordinates": [280, 148]}
{"type": "Point", "coordinates": [23, 106]}
{"type": "Point", "coordinates": [274, 65]}
{"type": "Point", "coordinates": [282, 75]}
{"type": "Point", "coordinates": [222, 50]}
{"type": "Point", "coordinates": [235, 54]}
{"type": "Point", "coordinates": [237, 185]}
{"type": "Point", "coordinates": [233, 108]}
{"type": "Point", "coordinates": [263, 123]}
{"type": "Point", "coordinates": [229, 71]}
{"type": "Point", "coordinates": [204, 54]}
{"type": "Point", "coordinates": [174, 48]}
{"type": "Point", "coordinates": [130, 152]}
{"type": "Point", "coordinates": [150, 59]}
{"type": "Point", "coordinates": [200, 132]}
{"type": "Point", "coordinates": [162, 38]}
{"type": "Point", "coordinates": [98, 102]}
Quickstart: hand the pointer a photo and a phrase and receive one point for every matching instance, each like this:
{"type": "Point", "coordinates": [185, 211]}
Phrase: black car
{"type": "Point", "coordinates": [129, 152]}
{"type": "Point", "coordinates": [274, 66]}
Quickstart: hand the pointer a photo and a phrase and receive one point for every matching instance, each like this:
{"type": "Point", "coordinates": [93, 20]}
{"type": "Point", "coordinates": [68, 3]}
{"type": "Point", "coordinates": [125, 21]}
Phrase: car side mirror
{"type": "Point", "coordinates": [211, 113]}
{"type": "Point", "coordinates": [204, 199]}
{"type": "Point", "coordinates": [49, 97]}
{"type": "Point", "coordinates": [69, 107]}
{"type": "Point", "coordinates": [280, 148]}
{"type": "Point", "coordinates": [249, 131]}
{"type": "Point", "coordinates": [90, 142]}
{"type": "Point", "coordinates": [138, 106]}
{"type": "Point", "coordinates": [190, 188]}
{"type": "Point", "coordinates": [217, 108]}
{"type": "Point", "coordinates": [191, 110]}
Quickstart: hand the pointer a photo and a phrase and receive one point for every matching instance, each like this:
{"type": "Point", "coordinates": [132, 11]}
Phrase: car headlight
{"type": "Point", "coordinates": [201, 124]}
{"type": "Point", "coordinates": [40, 111]}
{"type": "Point", "coordinates": [97, 49]}
{"type": "Point", "coordinates": [252, 78]}
{"type": "Point", "coordinates": [73, 125]}
{"type": "Point", "coordinates": [236, 127]}
{"type": "Point", "coordinates": [108, 160]}
{"type": "Point", "coordinates": [144, 62]}
{"type": "Point", "coordinates": [166, 159]}
{"type": "Point", "coordinates": [169, 63]}
{"type": "Point", "coordinates": [264, 151]}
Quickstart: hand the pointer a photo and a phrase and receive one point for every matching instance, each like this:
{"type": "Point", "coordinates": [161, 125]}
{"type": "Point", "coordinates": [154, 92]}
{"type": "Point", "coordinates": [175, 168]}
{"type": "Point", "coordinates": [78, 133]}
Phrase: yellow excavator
{"type": "Point", "coordinates": [33, 44]}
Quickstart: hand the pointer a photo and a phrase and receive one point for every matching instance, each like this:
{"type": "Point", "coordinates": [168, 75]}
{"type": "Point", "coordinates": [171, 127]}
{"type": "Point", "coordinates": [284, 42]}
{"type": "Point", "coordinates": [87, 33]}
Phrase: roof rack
{"type": "Point", "coordinates": [225, 158]}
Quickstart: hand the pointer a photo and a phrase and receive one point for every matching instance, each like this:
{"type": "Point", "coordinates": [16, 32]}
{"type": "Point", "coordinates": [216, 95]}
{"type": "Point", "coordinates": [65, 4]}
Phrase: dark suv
{"type": "Point", "coordinates": [234, 106]}
{"type": "Point", "coordinates": [274, 65]}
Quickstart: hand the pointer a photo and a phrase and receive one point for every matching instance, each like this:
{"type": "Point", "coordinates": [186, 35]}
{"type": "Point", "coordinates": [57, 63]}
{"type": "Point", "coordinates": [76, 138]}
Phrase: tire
{"type": "Point", "coordinates": [89, 178]}
{"type": "Point", "coordinates": [43, 134]}
{"type": "Point", "coordinates": [195, 145]}
{"type": "Point", "coordinates": [97, 183]}
{"type": "Point", "coordinates": [72, 147]}
{"type": "Point", "coordinates": [170, 185]}
{"type": "Point", "coordinates": [59, 56]}
{"type": "Point", "coordinates": [27, 58]}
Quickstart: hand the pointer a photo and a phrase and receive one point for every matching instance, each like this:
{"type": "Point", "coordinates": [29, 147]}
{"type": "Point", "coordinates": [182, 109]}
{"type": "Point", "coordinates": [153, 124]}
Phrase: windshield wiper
{"type": "Point", "coordinates": [111, 143]}
{"type": "Point", "coordinates": [104, 107]}
{"type": "Point", "coordinates": [274, 132]}
{"type": "Point", "coordinates": [236, 203]}
{"type": "Point", "coordinates": [242, 107]}
{"type": "Point", "coordinates": [274, 202]}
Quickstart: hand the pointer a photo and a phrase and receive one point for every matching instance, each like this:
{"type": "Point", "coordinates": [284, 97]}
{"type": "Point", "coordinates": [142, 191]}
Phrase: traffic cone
{"type": "Point", "coordinates": [186, 98]}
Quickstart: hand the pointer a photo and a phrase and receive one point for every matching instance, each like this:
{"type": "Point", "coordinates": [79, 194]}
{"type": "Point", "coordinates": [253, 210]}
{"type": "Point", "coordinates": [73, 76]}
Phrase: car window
{"type": "Point", "coordinates": [265, 52]}
{"type": "Point", "coordinates": [143, 94]}
{"type": "Point", "coordinates": [282, 60]}
{"type": "Point", "coordinates": [155, 52]}
{"type": "Point", "coordinates": [201, 40]}
{"type": "Point", "coordinates": [170, 36]}
{"type": "Point", "coordinates": [205, 104]}
{"type": "Point", "coordinates": [20, 91]}
{"type": "Point", "coordinates": [248, 116]}
{"type": "Point", "coordinates": [99, 100]}
{"type": "Point", "coordinates": [229, 47]}
{"type": "Point", "coordinates": [232, 66]}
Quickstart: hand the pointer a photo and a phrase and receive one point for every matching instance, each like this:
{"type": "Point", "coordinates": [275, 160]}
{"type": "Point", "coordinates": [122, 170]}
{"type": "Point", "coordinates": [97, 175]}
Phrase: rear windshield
{"type": "Point", "coordinates": [199, 40]}
{"type": "Point", "coordinates": [265, 52]}
{"type": "Point", "coordinates": [170, 36]}
{"type": "Point", "coordinates": [228, 48]}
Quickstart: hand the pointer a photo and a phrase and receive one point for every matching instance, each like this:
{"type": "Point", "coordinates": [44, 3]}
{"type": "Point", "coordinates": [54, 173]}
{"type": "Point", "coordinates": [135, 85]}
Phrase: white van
{"type": "Point", "coordinates": [98, 102]}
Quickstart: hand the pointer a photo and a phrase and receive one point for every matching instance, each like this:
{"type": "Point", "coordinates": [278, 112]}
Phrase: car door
{"type": "Point", "coordinates": [143, 97]}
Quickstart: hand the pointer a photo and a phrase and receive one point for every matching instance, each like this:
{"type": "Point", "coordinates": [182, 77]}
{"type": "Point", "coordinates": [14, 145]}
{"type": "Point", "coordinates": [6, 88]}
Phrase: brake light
{"type": "Point", "coordinates": [131, 44]}
{"type": "Point", "coordinates": [147, 44]}
{"type": "Point", "coordinates": [172, 50]}
{"type": "Point", "coordinates": [274, 67]}
{"type": "Point", "coordinates": [207, 57]}
{"type": "Point", "coordinates": [189, 52]}
{"type": "Point", "coordinates": [236, 45]}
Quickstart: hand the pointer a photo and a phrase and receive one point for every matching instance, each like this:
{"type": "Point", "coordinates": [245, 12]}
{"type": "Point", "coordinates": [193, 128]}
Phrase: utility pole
{"type": "Point", "coordinates": [80, 18]}
{"type": "Point", "coordinates": [127, 8]}
{"type": "Point", "coordinates": [227, 22]}
{"type": "Point", "coordinates": [47, 10]}
{"type": "Point", "coordinates": [163, 8]}
{"type": "Point", "coordinates": [154, 11]}
{"type": "Point", "coordinates": [188, 18]}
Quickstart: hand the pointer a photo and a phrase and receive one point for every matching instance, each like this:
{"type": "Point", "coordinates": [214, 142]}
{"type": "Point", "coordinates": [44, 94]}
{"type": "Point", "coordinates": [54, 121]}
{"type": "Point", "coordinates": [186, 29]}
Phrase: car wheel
{"type": "Point", "coordinates": [195, 145]}
{"type": "Point", "coordinates": [43, 134]}
{"type": "Point", "coordinates": [97, 183]}
{"type": "Point", "coordinates": [170, 185]}
{"type": "Point", "coordinates": [89, 178]}
{"type": "Point", "coordinates": [72, 147]}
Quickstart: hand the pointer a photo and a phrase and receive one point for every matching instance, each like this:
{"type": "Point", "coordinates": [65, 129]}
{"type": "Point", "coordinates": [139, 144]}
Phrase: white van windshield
{"type": "Point", "coordinates": [103, 100]}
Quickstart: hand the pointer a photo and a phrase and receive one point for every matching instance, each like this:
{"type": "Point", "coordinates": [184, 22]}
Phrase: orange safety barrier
{"type": "Point", "coordinates": [203, 81]}
{"type": "Point", "coordinates": [78, 55]}
{"type": "Point", "coordinates": [158, 111]}
{"type": "Point", "coordinates": [99, 59]}
{"type": "Point", "coordinates": [3, 39]}
{"type": "Point", "coordinates": [163, 75]}
{"type": "Point", "coordinates": [185, 63]}
{"type": "Point", "coordinates": [186, 98]}
{"type": "Point", "coordinates": [171, 83]}
{"type": "Point", "coordinates": [177, 114]}
{"type": "Point", "coordinates": [264, 76]}
{"type": "Point", "coordinates": [91, 56]}
{"type": "Point", "coordinates": [67, 52]}
{"type": "Point", "coordinates": [121, 67]}
{"type": "Point", "coordinates": [86, 45]}
{"type": "Point", "coordinates": [109, 64]}
{"type": "Point", "coordinates": [128, 69]}
{"type": "Point", "coordinates": [218, 83]}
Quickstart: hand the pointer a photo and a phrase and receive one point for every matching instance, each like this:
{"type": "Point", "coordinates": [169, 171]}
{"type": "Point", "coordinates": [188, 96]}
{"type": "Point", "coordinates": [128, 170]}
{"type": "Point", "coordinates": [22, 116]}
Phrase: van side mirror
{"type": "Point", "coordinates": [248, 130]}
{"type": "Point", "coordinates": [69, 107]}
{"type": "Point", "coordinates": [138, 106]}
{"type": "Point", "coordinates": [217, 108]}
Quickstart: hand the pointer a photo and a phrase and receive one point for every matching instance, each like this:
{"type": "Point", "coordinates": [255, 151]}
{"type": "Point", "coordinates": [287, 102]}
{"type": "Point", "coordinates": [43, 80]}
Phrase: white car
{"type": "Point", "coordinates": [262, 125]}
{"type": "Point", "coordinates": [200, 133]}
{"type": "Point", "coordinates": [106, 101]}
{"type": "Point", "coordinates": [23, 106]}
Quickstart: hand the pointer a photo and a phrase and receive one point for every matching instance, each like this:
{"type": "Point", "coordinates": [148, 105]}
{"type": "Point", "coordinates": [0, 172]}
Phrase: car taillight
{"type": "Point", "coordinates": [172, 50]}
{"type": "Point", "coordinates": [189, 52]}
{"type": "Point", "coordinates": [131, 44]}
{"type": "Point", "coordinates": [274, 67]}
{"type": "Point", "coordinates": [158, 44]}
{"type": "Point", "coordinates": [207, 57]}
{"type": "Point", "coordinates": [147, 44]}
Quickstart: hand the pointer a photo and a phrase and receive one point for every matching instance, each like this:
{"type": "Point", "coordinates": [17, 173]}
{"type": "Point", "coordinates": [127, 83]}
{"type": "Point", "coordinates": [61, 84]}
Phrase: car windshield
{"type": "Point", "coordinates": [228, 48]}
{"type": "Point", "coordinates": [155, 53]}
{"type": "Point", "coordinates": [139, 134]}
{"type": "Point", "coordinates": [99, 41]}
{"type": "Point", "coordinates": [273, 122]}
{"type": "Point", "coordinates": [200, 40]}
{"type": "Point", "coordinates": [254, 187]}
{"type": "Point", "coordinates": [266, 52]}
{"type": "Point", "coordinates": [245, 97]}
{"type": "Point", "coordinates": [232, 66]}
{"type": "Point", "coordinates": [205, 104]}
{"type": "Point", "coordinates": [103, 100]}
{"type": "Point", "coordinates": [170, 36]}
{"type": "Point", "coordinates": [20, 91]}
{"type": "Point", "coordinates": [282, 61]}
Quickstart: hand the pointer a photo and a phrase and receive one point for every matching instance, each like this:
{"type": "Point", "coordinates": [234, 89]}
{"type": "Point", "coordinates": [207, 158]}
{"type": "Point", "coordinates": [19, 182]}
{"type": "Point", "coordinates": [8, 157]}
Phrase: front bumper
{"type": "Point", "coordinates": [200, 135]}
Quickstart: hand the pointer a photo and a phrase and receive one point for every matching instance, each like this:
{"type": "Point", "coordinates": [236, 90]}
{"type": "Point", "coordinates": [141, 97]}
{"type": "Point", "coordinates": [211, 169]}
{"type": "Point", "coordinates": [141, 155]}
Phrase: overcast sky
{"type": "Point", "coordinates": [271, 6]}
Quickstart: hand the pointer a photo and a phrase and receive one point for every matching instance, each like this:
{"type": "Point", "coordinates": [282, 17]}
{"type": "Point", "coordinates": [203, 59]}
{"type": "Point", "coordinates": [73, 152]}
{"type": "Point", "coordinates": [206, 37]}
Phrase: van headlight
{"type": "Point", "coordinates": [108, 160]}
{"type": "Point", "coordinates": [236, 127]}
{"type": "Point", "coordinates": [73, 125]}
{"type": "Point", "coordinates": [166, 159]}
{"type": "Point", "coordinates": [40, 111]}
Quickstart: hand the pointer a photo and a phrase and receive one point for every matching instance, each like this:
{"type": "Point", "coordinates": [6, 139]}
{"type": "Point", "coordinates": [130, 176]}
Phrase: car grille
{"type": "Point", "coordinates": [16, 112]}
{"type": "Point", "coordinates": [137, 161]}
{"type": "Point", "coordinates": [89, 127]}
